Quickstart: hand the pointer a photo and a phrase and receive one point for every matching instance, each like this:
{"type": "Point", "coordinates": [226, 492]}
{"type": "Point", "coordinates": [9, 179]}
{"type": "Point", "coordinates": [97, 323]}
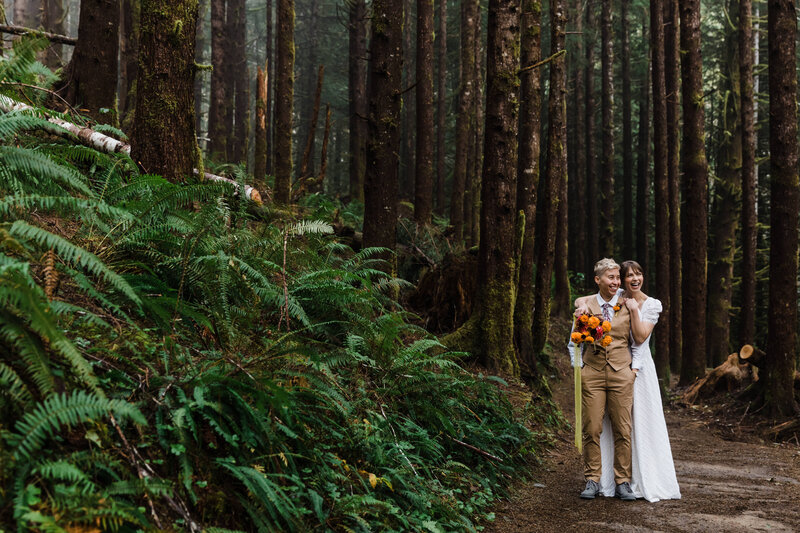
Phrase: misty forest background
{"type": "Point", "coordinates": [261, 260]}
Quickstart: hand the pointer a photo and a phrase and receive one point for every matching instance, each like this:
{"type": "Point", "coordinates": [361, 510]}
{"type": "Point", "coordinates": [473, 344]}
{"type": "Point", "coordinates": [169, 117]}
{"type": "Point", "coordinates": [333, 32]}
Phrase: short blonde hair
{"type": "Point", "coordinates": [604, 264]}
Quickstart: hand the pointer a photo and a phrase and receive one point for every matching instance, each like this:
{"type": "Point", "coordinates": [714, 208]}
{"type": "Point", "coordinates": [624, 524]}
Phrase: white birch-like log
{"type": "Point", "coordinates": [105, 143]}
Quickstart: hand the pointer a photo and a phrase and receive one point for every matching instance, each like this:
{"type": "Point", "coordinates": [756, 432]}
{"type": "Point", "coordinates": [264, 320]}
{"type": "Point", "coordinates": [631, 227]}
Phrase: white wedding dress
{"type": "Point", "coordinates": [653, 475]}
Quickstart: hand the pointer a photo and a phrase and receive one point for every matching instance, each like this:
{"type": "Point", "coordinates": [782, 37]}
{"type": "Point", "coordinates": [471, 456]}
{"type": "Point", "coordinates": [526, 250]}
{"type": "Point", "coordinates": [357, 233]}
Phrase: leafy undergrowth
{"type": "Point", "coordinates": [168, 361]}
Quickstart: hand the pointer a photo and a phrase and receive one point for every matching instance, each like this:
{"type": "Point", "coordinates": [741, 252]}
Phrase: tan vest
{"type": "Point", "coordinates": [618, 353]}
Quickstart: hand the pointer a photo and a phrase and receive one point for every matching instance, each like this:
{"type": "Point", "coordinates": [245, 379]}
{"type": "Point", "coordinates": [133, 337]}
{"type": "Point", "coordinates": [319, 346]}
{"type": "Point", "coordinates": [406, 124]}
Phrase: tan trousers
{"type": "Point", "coordinates": [607, 391]}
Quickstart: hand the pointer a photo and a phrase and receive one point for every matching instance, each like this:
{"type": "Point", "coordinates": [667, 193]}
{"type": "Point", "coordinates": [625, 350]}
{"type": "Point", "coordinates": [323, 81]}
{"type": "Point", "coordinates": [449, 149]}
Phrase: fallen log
{"type": "Point", "coordinates": [752, 355]}
{"type": "Point", "coordinates": [52, 37]}
{"type": "Point", "coordinates": [728, 376]}
{"type": "Point", "coordinates": [105, 143]}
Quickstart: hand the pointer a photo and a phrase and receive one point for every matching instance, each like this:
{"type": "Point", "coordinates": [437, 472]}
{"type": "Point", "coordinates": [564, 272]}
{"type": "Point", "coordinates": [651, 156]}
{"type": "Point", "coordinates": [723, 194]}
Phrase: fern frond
{"type": "Point", "coordinates": [64, 410]}
{"type": "Point", "coordinates": [305, 227]}
{"type": "Point", "coordinates": [13, 387]}
{"type": "Point", "coordinates": [40, 169]}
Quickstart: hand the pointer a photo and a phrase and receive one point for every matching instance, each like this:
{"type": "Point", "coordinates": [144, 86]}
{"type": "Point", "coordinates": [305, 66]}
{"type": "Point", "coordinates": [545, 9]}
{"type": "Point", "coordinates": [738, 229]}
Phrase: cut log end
{"type": "Point", "coordinates": [256, 197]}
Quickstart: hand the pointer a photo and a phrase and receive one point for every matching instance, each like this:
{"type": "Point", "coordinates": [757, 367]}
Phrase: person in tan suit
{"type": "Point", "coordinates": [607, 385]}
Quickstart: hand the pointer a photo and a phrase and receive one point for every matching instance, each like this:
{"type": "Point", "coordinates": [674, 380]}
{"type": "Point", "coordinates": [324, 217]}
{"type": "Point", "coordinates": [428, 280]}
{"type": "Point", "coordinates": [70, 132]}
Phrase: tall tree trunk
{"type": "Point", "coordinates": [199, 58]}
{"type": "Point", "coordinates": [284, 95]}
{"type": "Point", "coordinates": [628, 240]}
{"type": "Point", "coordinates": [306, 165]}
{"type": "Point", "coordinates": [383, 143]}
{"type": "Point", "coordinates": [726, 206]}
{"type": "Point", "coordinates": [528, 180]}
{"type": "Point", "coordinates": [661, 189]}
{"type": "Point", "coordinates": [90, 79]}
{"type": "Point", "coordinates": [408, 127]}
{"type": "Point", "coordinates": [423, 187]}
{"type": "Point", "coordinates": [496, 261]}
{"type": "Point", "coordinates": [464, 118]}
{"type": "Point", "coordinates": [479, 77]}
{"type": "Point", "coordinates": [606, 219]}
{"type": "Point", "coordinates": [129, 58]}
{"type": "Point", "coordinates": [220, 109]}
{"type": "Point", "coordinates": [562, 303]}
{"type": "Point", "coordinates": [237, 39]}
{"type": "Point", "coordinates": [579, 225]}
{"type": "Point", "coordinates": [319, 183]}
{"type": "Point", "coordinates": [749, 228]}
{"type": "Point", "coordinates": [672, 61]}
{"type": "Point", "coordinates": [163, 140]}
{"type": "Point", "coordinates": [308, 60]}
{"type": "Point", "coordinates": [441, 110]}
{"type": "Point", "coordinates": [593, 235]}
{"type": "Point", "coordinates": [270, 75]}
{"type": "Point", "coordinates": [260, 162]}
{"type": "Point", "coordinates": [694, 232]}
{"type": "Point", "coordinates": [53, 15]}
{"type": "Point", "coordinates": [785, 202]}
{"type": "Point", "coordinates": [555, 174]}
{"type": "Point", "coordinates": [643, 228]}
{"type": "Point", "coordinates": [357, 94]}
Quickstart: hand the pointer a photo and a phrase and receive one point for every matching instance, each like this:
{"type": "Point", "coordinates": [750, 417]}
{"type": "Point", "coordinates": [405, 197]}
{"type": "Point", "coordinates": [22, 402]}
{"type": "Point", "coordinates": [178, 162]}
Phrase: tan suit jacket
{"type": "Point", "coordinates": [618, 353]}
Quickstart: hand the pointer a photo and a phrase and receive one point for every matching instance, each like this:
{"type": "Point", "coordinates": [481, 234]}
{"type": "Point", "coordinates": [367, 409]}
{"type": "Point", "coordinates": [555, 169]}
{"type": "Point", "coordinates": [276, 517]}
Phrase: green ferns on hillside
{"type": "Point", "coordinates": [167, 362]}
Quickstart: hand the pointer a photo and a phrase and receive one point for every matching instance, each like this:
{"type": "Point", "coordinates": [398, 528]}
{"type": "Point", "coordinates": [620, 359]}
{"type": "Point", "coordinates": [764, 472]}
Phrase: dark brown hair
{"type": "Point", "coordinates": [630, 265]}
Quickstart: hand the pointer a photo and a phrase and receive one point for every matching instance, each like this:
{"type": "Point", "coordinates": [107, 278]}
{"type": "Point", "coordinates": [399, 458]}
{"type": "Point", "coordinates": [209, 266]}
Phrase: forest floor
{"type": "Point", "coordinates": [730, 480]}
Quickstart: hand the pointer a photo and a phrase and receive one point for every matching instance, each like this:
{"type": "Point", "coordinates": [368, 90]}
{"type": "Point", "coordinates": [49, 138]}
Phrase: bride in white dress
{"type": "Point", "coordinates": [653, 475]}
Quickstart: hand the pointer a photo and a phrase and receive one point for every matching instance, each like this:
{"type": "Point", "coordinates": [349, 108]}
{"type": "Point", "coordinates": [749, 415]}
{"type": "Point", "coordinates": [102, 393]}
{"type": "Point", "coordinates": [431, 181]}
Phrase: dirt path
{"type": "Point", "coordinates": [727, 486]}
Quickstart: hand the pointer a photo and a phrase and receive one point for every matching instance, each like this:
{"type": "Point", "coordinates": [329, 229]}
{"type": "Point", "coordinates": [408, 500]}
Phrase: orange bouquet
{"type": "Point", "coordinates": [588, 328]}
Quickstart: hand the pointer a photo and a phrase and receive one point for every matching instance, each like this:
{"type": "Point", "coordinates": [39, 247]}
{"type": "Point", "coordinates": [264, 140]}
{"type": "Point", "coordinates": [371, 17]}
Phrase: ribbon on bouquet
{"type": "Point", "coordinates": [578, 400]}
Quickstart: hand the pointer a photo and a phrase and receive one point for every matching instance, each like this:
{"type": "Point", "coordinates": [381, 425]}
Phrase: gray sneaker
{"type": "Point", "coordinates": [592, 489]}
{"type": "Point", "coordinates": [624, 492]}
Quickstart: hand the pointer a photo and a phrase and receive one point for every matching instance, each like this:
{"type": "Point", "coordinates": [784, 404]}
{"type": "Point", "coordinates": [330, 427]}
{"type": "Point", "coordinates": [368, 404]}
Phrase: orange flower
{"type": "Point", "coordinates": [593, 322]}
{"type": "Point", "coordinates": [617, 307]}
{"type": "Point", "coordinates": [576, 337]}
{"type": "Point", "coordinates": [584, 319]}
{"type": "Point", "coordinates": [606, 340]}
{"type": "Point", "coordinates": [587, 338]}
{"type": "Point", "coordinates": [606, 326]}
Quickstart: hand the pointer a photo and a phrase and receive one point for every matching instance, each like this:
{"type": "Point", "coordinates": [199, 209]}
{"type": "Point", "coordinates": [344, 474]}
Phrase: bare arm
{"type": "Point", "coordinates": [640, 330]}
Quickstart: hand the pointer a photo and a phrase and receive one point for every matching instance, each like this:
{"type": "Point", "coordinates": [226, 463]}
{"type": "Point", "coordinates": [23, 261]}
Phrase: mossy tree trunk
{"type": "Point", "coordinates": [423, 186]}
{"type": "Point", "coordinates": [441, 109]}
{"type": "Point", "coordinates": [220, 110]}
{"type": "Point", "coordinates": [284, 96]}
{"type": "Point", "coordinates": [163, 139]}
{"type": "Point", "coordinates": [660, 186]}
{"type": "Point", "coordinates": [383, 142]}
{"type": "Point", "coordinates": [785, 202]}
{"type": "Point", "coordinates": [672, 62]}
{"type": "Point", "coordinates": [528, 180]}
{"type": "Point", "coordinates": [90, 79]}
{"type": "Point", "coordinates": [725, 209]}
{"type": "Point", "coordinates": [747, 323]}
{"type": "Point", "coordinates": [479, 76]}
{"type": "Point", "coordinates": [357, 96]}
{"type": "Point", "coordinates": [694, 230]}
{"type": "Point", "coordinates": [464, 117]}
{"type": "Point", "coordinates": [554, 175]}
{"type": "Point", "coordinates": [606, 209]}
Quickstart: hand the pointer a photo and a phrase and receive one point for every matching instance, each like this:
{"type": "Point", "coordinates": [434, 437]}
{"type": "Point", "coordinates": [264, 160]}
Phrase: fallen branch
{"type": "Point", "coordinates": [105, 143]}
{"type": "Point", "coordinates": [52, 37]}
{"type": "Point", "coordinates": [474, 449]}
{"type": "Point", "coordinates": [542, 62]}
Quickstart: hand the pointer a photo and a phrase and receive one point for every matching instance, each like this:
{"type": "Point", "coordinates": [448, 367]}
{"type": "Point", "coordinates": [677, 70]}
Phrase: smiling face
{"type": "Point", "coordinates": [633, 280]}
{"type": "Point", "coordinates": [608, 283]}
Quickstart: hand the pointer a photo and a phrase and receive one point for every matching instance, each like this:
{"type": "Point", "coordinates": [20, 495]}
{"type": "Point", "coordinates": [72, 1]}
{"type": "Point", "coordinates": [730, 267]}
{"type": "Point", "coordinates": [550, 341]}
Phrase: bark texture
{"type": "Point", "coordinates": [785, 202]}
{"type": "Point", "coordinates": [423, 186]}
{"type": "Point", "coordinates": [220, 109]}
{"type": "Point", "coordinates": [643, 189]}
{"type": "Point", "coordinates": [240, 78]}
{"type": "Point", "coordinates": [260, 163]}
{"type": "Point", "coordinates": [660, 189]}
{"type": "Point", "coordinates": [578, 199]}
{"type": "Point", "coordinates": [554, 175]}
{"type": "Point", "coordinates": [606, 208]}
{"type": "Point", "coordinates": [593, 235]}
{"type": "Point", "coordinates": [284, 95]}
{"type": "Point", "coordinates": [383, 143]}
{"type": "Point", "coordinates": [464, 117]}
{"type": "Point", "coordinates": [749, 223]}
{"type": "Point", "coordinates": [441, 109]}
{"type": "Point", "coordinates": [90, 79]}
{"type": "Point", "coordinates": [357, 95]}
{"type": "Point", "coordinates": [694, 231]}
{"type": "Point", "coordinates": [528, 181]}
{"type": "Point", "coordinates": [628, 240]}
{"type": "Point", "coordinates": [163, 140]}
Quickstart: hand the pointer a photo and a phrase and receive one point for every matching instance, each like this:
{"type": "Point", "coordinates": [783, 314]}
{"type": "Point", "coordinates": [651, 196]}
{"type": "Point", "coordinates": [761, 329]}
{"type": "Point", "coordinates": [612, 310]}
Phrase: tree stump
{"type": "Point", "coordinates": [728, 376]}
